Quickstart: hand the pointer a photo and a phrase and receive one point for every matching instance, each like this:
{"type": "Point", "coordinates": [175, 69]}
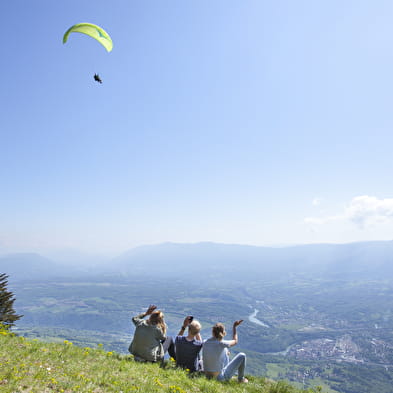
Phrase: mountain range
{"type": "Point", "coordinates": [353, 260]}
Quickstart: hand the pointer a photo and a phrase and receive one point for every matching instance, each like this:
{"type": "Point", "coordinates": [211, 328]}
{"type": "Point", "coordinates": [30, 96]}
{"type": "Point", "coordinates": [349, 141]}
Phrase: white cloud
{"type": "Point", "coordinates": [365, 210]}
{"type": "Point", "coordinates": [316, 201]}
{"type": "Point", "coordinates": [362, 210]}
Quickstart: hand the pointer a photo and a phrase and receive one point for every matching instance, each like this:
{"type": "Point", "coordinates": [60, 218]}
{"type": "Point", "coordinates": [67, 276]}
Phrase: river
{"type": "Point", "coordinates": [252, 318]}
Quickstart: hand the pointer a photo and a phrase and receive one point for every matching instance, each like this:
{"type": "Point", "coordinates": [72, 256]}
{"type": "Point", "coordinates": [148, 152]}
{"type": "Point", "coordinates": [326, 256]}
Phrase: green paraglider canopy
{"type": "Point", "coordinates": [94, 31]}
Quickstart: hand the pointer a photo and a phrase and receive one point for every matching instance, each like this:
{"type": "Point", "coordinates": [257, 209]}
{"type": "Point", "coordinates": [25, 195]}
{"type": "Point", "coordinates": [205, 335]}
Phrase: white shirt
{"type": "Point", "coordinates": [215, 354]}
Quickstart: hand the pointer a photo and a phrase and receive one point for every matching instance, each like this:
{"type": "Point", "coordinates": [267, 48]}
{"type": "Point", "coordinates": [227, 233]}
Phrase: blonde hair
{"type": "Point", "coordinates": [218, 331]}
{"type": "Point", "coordinates": [194, 327]}
{"type": "Point", "coordinates": [157, 318]}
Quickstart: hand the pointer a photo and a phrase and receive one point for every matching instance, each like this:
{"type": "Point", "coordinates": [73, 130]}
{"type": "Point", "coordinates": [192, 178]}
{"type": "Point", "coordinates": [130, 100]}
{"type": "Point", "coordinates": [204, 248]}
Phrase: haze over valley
{"type": "Point", "coordinates": [312, 313]}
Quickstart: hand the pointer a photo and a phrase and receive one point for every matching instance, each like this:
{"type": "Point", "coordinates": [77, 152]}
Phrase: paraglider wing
{"type": "Point", "coordinates": [91, 30]}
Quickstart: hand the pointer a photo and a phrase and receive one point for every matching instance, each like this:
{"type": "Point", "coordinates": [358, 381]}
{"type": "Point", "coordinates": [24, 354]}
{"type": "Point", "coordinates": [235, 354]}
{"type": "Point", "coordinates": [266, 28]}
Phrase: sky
{"type": "Point", "coordinates": [248, 122]}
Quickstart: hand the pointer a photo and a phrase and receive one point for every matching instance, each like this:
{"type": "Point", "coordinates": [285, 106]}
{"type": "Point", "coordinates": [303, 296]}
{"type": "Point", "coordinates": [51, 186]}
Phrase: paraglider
{"type": "Point", "coordinates": [97, 78]}
{"type": "Point", "coordinates": [94, 31]}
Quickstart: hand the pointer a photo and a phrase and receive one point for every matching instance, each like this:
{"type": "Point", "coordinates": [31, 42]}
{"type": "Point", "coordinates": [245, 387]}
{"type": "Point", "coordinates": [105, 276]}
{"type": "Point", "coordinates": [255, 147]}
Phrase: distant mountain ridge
{"type": "Point", "coordinates": [363, 259]}
{"type": "Point", "coordinates": [27, 266]}
{"type": "Point", "coordinates": [33, 266]}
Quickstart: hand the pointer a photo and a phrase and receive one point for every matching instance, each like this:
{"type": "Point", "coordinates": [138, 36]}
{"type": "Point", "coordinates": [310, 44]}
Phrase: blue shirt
{"type": "Point", "coordinates": [187, 352]}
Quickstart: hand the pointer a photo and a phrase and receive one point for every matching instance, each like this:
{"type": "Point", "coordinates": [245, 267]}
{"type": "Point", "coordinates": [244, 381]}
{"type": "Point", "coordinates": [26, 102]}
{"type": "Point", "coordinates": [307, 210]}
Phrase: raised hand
{"type": "Point", "coordinates": [237, 323]}
{"type": "Point", "coordinates": [151, 308]}
{"type": "Point", "coordinates": [187, 320]}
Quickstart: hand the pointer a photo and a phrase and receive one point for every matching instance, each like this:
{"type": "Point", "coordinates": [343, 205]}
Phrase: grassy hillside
{"type": "Point", "coordinates": [34, 366]}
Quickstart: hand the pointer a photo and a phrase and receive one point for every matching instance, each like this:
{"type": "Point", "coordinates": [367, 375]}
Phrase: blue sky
{"type": "Point", "coordinates": [252, 122]}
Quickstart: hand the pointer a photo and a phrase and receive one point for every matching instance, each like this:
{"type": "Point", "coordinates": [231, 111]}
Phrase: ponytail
{"type": "Point", "coordinates": [218, 331]}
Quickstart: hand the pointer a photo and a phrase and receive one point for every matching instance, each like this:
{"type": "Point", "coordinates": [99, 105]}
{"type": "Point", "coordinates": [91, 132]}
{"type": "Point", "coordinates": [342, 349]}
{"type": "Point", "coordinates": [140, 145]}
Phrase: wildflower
{"type": "Point", "coordinates": [157, 381]}
{"type": "Point", "coordinates": [176, 389]}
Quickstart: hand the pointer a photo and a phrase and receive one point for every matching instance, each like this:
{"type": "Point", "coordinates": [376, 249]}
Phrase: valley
{"type": "Point", "coordinates": [323, 327]}
{"type": "Point", "coordinates": [306, 331]}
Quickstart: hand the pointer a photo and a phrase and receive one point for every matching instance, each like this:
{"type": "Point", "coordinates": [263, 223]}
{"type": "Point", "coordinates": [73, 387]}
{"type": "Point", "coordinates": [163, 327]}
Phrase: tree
{"type": "Point", "coordinates": [7, 312]}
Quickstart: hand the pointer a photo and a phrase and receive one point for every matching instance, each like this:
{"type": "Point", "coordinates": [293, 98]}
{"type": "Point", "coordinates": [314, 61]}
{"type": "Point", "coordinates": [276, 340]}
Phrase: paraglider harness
{"type": "Point", "coordinates": [97, 78]}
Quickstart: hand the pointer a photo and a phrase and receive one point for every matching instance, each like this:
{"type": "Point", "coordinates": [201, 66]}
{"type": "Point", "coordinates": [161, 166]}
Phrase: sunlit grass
{"type": "Point", "coordinates": [32, 366]}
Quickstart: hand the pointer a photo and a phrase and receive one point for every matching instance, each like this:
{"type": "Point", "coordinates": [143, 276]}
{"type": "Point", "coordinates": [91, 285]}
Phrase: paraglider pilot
{"type": "Point", "coordinates": [97, 78]}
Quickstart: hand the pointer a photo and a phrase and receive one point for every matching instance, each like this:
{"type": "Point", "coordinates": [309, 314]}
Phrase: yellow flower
{"type": "Point", "coordinates": [176, 389]}
{"type": "Point", "coordinates": [157, 381]}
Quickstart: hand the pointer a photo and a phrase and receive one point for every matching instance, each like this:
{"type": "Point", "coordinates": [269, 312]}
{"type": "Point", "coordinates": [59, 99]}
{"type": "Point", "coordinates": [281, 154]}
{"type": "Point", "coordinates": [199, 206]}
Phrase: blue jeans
{"type": "Point", "coordinates": [238, 363]}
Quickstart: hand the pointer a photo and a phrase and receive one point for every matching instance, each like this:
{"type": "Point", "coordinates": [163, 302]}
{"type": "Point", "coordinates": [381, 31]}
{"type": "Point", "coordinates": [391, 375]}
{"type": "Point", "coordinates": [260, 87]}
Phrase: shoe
{"type": "Point", "coordinates": [244, 380]}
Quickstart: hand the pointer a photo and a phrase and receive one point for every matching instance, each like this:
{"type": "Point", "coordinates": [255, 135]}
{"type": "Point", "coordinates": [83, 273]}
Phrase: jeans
{"type": "Point", "coordinates": [169, 346]}
{"type": "Point", "coordinates": [238, 363]}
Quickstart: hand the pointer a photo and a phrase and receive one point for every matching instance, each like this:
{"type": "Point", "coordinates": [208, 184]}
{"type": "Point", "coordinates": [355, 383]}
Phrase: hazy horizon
{"type": "Point", "coordinates": [75, 255]}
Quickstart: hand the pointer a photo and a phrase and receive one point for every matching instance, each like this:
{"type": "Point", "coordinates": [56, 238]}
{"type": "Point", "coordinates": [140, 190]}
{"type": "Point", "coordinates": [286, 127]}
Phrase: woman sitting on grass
{"type": "Point", "coordinates": [215, 357]}
{"type": "Point", "coordinates": [149, 342]}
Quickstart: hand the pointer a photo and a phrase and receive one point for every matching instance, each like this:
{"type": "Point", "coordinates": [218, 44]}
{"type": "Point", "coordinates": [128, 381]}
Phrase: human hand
{"type": "Point", "coordinates": [151, 308]}
{"type": "Point", "coordinates": [237, 323]}
{"type": "Point", "coordinates": [187, 320]}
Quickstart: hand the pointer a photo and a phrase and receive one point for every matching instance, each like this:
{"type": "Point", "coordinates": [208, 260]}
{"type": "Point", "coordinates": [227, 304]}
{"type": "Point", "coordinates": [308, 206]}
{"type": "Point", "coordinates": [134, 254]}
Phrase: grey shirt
{"type": "Point", "coordinates": [215, 354]}
{"type": "Point", "coordinates": [146, 343]}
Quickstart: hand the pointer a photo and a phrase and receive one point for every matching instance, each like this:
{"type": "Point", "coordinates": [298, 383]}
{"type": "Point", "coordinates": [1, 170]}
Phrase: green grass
{"type": "Point", "coordinates": [274, 370]}
{"type": "Point", "coordinates": [32, 366]}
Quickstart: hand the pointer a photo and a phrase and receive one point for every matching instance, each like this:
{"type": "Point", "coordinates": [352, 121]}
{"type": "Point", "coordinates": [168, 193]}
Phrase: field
{"type": "Point", "coordinates": [31, 366]}
{"type": "Point", "coordinates": [330, 333]}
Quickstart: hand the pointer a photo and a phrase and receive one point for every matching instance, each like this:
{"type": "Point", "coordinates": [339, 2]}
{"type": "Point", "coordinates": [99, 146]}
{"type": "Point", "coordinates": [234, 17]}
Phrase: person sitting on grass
{"type": "Point", "coordinates": [187, 348]}
{"type": "Point", "coordinates": [150, 342]}
{"type": "Point", "coordinates": [216, 362]}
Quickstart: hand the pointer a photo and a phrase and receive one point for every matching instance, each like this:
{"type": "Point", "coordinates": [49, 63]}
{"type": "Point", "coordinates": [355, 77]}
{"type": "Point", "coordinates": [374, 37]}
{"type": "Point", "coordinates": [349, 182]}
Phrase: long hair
{"type": "Point", "coordinates": [157, 318]}
{"type": "Point", "coordinates": [218, 331]}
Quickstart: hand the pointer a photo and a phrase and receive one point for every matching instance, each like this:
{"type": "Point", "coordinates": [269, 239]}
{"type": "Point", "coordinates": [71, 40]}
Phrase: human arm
{"type": "Point", "coordinates": [234, 340]}
{"type": "Point", "coordinates": [186, 322]}
{"type": "Point", "coordinates": [139, 317]}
